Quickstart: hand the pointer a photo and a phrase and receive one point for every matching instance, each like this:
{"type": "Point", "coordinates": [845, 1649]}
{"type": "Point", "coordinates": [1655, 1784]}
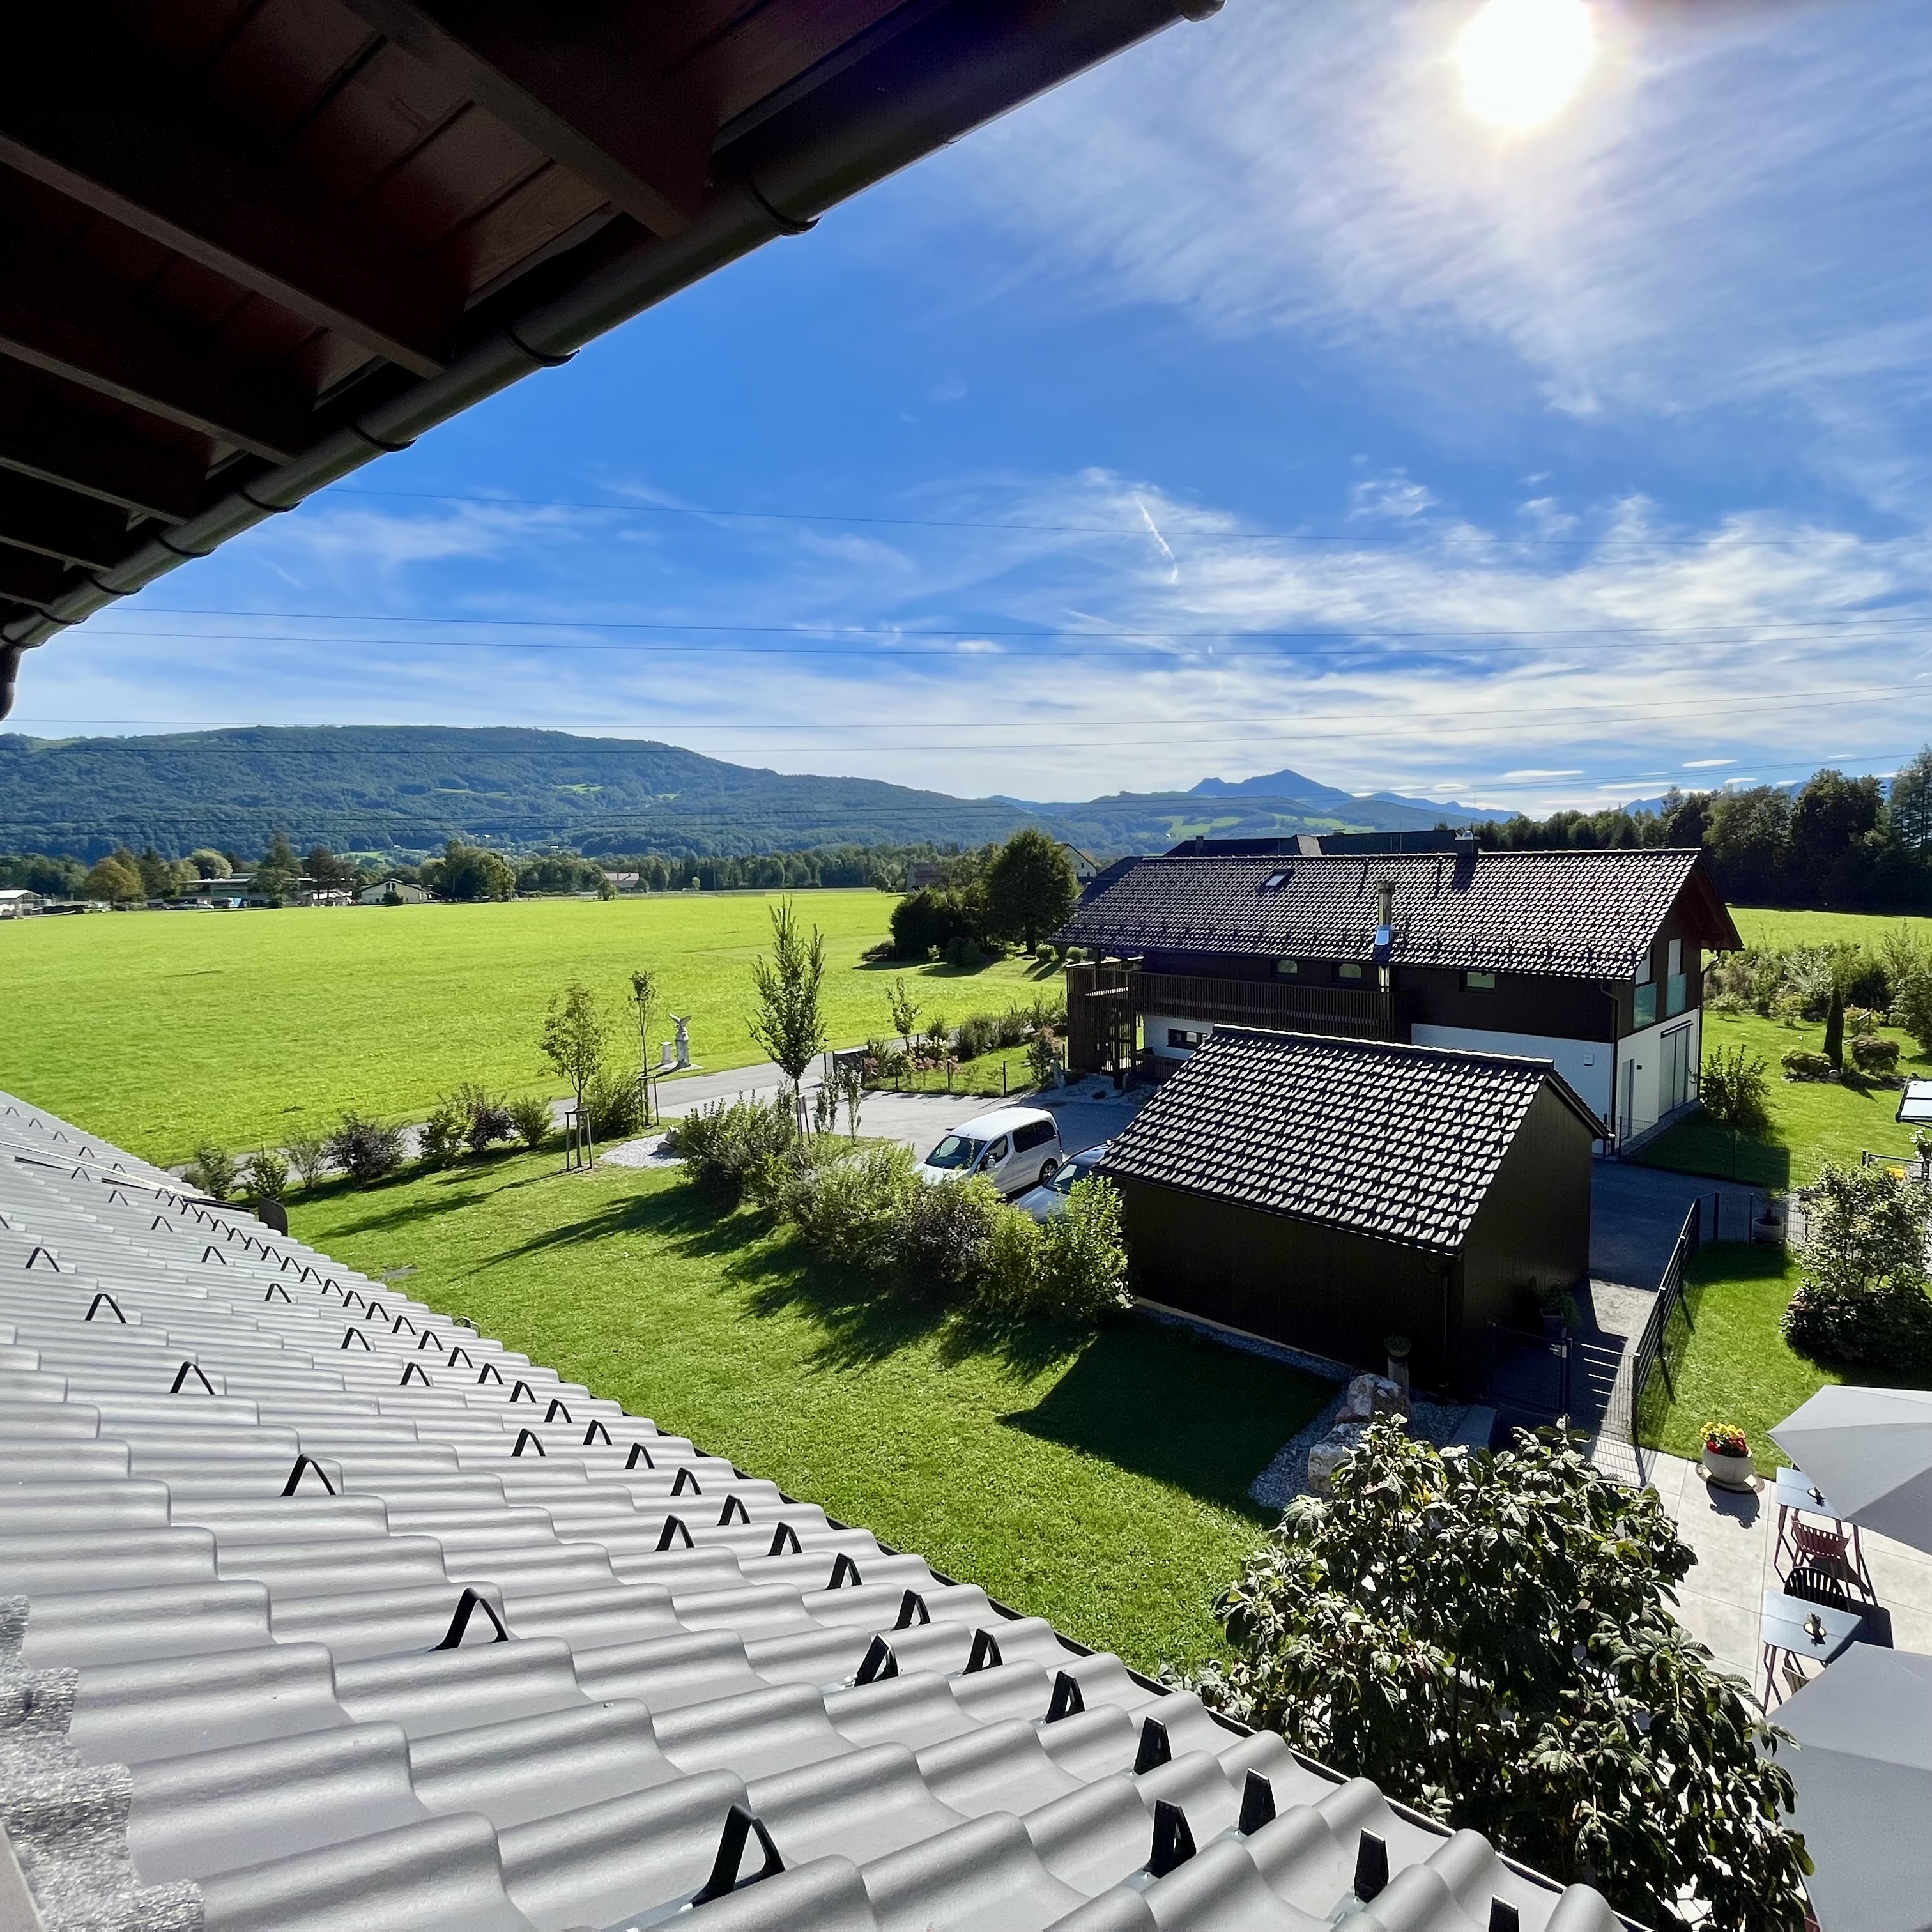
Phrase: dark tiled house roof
{"type": "Point", "coordinates": [1399, 1143]}
{"type": "Point", "coordinates": [1589, 914]}
{"type": "Point", "coordinates": [299, 1632]}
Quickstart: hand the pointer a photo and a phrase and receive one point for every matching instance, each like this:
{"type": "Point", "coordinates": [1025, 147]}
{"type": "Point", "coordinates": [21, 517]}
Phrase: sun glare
{"type": "Point", "coordinates": [1523, 60]}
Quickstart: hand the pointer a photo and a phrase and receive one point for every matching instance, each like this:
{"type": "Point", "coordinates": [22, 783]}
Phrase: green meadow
{"type": "Point", "coordinates": [161, 1030]}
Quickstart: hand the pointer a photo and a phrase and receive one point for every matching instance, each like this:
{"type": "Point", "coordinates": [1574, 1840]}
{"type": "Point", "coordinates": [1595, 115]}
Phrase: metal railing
{"type": "Point", "coordinates": [1666, 1334]}
{"type": "Point", "coordinates": [1279, 1003]}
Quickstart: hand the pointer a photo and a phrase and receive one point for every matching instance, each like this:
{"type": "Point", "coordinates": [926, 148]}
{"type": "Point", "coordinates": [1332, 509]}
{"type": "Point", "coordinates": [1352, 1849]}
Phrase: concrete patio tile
{"type": "Point", "coordinates": [1729, 1631]}
{"type": "Point", "coordinates": [1911, 1629]}
{"type": "Point", "coordinates": [1902, 1576]}
{"type": "Point", "coordinates": [1665, 1474]}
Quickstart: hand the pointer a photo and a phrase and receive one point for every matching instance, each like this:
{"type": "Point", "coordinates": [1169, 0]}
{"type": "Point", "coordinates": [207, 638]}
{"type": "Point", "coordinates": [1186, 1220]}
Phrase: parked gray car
{"type": "Point", "coordinates": [1049, 1198]}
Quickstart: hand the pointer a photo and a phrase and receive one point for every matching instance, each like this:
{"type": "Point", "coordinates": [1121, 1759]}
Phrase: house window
{"type": "Point", "coordinates": [1479, 983]}
{"type": "Point", "coordinates": [1185, 1037]}
{"type": "Point", "coordinates": [1676, 987]}
{"type": "Point", "coordinates": [1349, 969]}
{"type": "Point", "coordinates": [1643, 1005]}
{"type": "Point", "coordinates": [1288, 968]}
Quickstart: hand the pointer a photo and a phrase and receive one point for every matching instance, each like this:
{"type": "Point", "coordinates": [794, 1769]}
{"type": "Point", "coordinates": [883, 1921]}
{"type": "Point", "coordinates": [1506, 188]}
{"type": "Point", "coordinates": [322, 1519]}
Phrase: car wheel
{"type": "Point", "coordinates": [1048, 1169]}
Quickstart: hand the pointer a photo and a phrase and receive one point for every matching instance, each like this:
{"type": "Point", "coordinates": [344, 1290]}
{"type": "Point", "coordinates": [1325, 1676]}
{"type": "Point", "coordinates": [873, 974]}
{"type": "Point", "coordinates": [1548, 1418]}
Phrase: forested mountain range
{"type": "Point", "coordinates": [398, 789]}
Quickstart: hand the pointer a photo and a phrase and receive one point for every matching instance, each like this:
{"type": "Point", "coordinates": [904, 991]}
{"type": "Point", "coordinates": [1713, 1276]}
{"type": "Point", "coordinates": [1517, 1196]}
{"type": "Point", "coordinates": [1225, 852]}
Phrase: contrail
{"type": "Point", "coordinates": [1173, 562]}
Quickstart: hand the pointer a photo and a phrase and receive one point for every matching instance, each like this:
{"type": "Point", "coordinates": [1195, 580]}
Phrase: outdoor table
{"type": "Point", "coordinates": [1798, 1495]}
{"type": "Point", "coordinates": [1788, 1624]}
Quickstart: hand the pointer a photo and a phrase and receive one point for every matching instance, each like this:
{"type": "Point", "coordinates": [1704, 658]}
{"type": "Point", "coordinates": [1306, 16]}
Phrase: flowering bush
{"type": "Point", "coordinates": [1725, 1439]}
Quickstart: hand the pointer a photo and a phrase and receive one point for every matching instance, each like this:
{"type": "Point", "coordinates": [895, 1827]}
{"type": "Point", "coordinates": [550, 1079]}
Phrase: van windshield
{"type": "Point", "coordinates": [955, 1151]}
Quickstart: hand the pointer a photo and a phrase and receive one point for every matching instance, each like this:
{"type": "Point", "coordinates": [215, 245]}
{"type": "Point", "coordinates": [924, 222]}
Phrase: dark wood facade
{"type": "Point", "coordinates": [1341, 1294]}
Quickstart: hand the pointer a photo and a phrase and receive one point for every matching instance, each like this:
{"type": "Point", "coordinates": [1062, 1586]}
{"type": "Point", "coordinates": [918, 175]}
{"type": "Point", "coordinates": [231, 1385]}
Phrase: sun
{"type": "Point", "coordinates": [1523, 60]}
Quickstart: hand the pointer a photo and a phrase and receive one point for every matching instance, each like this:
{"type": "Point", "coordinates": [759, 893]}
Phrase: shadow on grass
{"type": "Point", "coordinates": [1702, 1147]}
{"type": "Point", "coordinates": [1186, 1411]}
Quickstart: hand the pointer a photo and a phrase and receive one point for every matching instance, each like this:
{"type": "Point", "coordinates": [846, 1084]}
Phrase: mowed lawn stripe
{"type": "Point", "coordinates": [1101, 1483]}
{"type": "Point", "coordinates": [161, 1029]}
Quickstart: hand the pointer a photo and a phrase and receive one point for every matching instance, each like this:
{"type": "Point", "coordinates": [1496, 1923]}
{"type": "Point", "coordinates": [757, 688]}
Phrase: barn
{"type": "Point", "coordinates": [1329, 1192]}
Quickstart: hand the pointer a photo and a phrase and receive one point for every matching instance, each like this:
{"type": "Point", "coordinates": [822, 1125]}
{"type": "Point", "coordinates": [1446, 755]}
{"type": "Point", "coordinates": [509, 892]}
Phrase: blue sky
{"type": "Point", "coordinates": [1246, 403]}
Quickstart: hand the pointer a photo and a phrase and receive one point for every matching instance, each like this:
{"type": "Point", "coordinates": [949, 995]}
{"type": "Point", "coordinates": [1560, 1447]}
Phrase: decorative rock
{"type": "Point", "coordinates": [1371, 1396]}
{"type": "Point", "coordinates": [1342, 1440]}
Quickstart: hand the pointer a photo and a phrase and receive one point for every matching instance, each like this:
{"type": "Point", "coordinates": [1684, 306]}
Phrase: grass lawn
{"type": "Point", "coordinates": [160, 1030]}
{"type": "Point", "coordinates": [1102, 1486]}
{"type": "Point", "coordinates": [1761, 925]}
{"type": "Point", "coordinates": [1813, 1122]}
{"type": "Point", "coordinates": [1737, 1367]}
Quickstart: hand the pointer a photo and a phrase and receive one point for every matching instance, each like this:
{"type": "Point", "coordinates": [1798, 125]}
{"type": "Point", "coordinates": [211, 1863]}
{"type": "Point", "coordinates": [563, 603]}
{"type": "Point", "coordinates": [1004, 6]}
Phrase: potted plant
{"type": "Point", "coordinates": [1727, 1455]}
{"type": "Point", "coordinates": [1769, 1224]}
{"type": "Point", "coordinates": [1557, 1307]}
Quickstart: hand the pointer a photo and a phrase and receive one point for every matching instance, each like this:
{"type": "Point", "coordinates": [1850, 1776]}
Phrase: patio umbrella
{"type": "Point", "coordinates": [1870, 1451]}
{"type": "Point", "coordinates": [1864, 1772]}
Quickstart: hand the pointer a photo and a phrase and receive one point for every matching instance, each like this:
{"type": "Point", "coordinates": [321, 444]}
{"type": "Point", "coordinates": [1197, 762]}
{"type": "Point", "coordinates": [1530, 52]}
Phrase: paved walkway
{"type": "Point", "coordinates": [1088, 1112]}
{"type": "Point", "coordinates": [1636, 1212]}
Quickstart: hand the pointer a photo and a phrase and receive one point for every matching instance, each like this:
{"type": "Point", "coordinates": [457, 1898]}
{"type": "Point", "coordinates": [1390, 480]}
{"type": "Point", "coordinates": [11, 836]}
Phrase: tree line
{"type": "Point", "coordinates": [1835, 843]}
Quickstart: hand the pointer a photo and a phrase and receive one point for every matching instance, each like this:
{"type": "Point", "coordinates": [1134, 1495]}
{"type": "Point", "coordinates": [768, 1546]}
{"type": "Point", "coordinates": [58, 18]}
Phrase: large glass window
{"type": "Point", "coordinates": [1643, 1006]}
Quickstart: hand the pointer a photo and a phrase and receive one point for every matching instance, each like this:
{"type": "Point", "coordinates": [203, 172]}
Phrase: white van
{"type": "Point", "coordinates": [1015, 1147]}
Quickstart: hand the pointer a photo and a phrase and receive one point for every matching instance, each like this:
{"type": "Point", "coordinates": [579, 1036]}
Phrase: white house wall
{"type": "Point", "coordinates": [1640, 1059]}
{"type": "Point", "coordinates": [1585, 1063]}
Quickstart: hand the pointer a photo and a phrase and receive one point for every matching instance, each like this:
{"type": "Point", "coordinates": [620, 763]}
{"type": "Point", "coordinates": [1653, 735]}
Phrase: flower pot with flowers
{"type": "Point", "coordinates": [1727, 1455]}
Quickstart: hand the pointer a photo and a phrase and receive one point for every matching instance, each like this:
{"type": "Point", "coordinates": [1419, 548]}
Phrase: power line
{"type": "Point", "coordinates": [1449, 725]}
{"type": "Point", "coordinates": [1140, 531]}
{"type": "Point", "coordinates": [1880, 626]}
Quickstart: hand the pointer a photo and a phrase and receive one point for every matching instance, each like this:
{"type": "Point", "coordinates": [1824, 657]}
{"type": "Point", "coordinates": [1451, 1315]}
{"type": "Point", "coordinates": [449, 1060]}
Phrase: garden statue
{"type": "Point", "coordinates": [683, 1040]}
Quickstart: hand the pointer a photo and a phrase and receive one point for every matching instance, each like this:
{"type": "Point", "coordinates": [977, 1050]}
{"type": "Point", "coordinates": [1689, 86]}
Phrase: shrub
{"type": "Point", "coordinates": [1866, 983]}
{"type": "Point", "coordinates": [1011, 1278]}
{"type": "Point", "coordinates": [721, 1144]}
{"type": "Point", "coordinates": [945, 1231]}
{"type": "Point", "coordinates": [530, 1120]}
{"type": "Point", "coordinates": [965, 953]}
{"type": "Point", "coordinates": [1801, 1065]}
{"type": "Point", "coordinates": [1863, 1295]}
{"type": "Point", "coordinates": [1043, 1058]}
{"type": "Point", "coordinates": [1912, 1008]}
{"type": "Point", "coordinates": [485, 1119]}
{"type": "Point", "coordinates": [613, 1103]}
{"type": "Point", "coordinates": [1861, 1021]}
{"type": "Point", "coordinates": [1735, 1092]}
{"type": "Point", "coordinates": [928, 921]}
{"type": "Point", "coordinates": [1876, 1058]}
{"type": "Point", "coordinates": [849, 1202]}
{"type": "Point", "coordinates": [309, 1156]}
{"type": "Point", "coordinates": [366, 1150]}
{"type": "Point", "coordinates": [439, 1139]}
{"type": "Point", "coordinates": [978, 1035]}
{"type": "Point", "coordinates": [1083, 1266]}
{"type": "Point", "coordinates": [213, 1170]}
{"type": "Point", "coordinates": [265, 1175]}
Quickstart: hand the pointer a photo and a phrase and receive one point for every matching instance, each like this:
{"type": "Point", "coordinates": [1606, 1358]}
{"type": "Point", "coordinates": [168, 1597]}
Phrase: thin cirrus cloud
{"type": "Point", "coordinates": [1729, 213]}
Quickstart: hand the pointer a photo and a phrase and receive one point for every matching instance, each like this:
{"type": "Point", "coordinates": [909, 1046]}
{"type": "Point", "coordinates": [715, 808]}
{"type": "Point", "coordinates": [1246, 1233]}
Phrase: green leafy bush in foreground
{"type": "Point", "coordinates": [1489, 1638]}
{"type": "Point", "coordinates": [213, 1170]}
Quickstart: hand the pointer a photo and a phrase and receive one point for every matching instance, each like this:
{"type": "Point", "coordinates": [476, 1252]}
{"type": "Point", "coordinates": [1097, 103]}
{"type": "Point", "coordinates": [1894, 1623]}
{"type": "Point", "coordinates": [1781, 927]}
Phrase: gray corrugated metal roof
{"type": "Point", "coordinates": [1587, 914]}
{"type": "Point", "coordinates": [245, 1496]}
{"type": "Point", "coordinates": [1400, 1143]}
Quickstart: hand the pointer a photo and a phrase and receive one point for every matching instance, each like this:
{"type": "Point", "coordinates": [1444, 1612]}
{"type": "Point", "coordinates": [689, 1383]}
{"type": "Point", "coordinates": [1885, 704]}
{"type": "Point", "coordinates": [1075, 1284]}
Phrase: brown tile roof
{"type": "Point", "coordinates": [1588, 914]}
{"type": "Point", "coordinates": [1399, 1143]}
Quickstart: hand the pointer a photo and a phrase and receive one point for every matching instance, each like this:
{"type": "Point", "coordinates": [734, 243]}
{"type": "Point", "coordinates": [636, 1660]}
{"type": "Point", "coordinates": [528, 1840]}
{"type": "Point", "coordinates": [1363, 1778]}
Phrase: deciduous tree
{"type": "Point", "coordinates": [573, 1037]}
{"type": "Point", "coordinates": [1030, 887]}
{"type": "Point", "coordinates": [789, 1023]}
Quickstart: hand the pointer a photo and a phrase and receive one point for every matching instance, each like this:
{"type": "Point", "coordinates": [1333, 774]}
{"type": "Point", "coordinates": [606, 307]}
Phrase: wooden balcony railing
{"type": "Point", "coordinates": [1277, 1004]}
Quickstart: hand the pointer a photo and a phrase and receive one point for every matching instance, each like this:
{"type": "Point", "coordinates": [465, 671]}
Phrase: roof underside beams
{"type": "Point", "coordinates": [252, 248]}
